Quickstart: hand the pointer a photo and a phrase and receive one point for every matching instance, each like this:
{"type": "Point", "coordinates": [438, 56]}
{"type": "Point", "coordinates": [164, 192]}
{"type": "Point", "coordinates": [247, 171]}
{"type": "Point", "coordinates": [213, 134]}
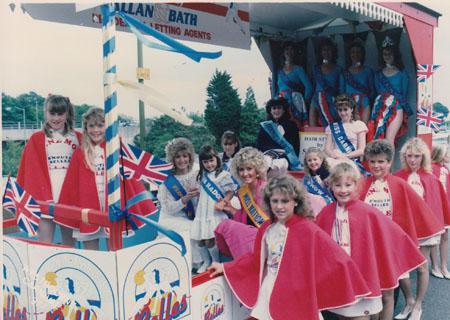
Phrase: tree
{"type": "Point", "coordinates": [223, 106]}
{"type": "Point", "coordinates": [439, 107]}
{"type": "Point", "coordinates": [12, 152]}
{"type": "Point", "coordinates": [79, 110]}
{"type": "Point", "coordinates": [250, 118]}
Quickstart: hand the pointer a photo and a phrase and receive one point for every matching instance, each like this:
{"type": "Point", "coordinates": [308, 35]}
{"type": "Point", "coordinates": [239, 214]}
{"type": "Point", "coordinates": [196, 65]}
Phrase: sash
{"type": "Point", "coordinates": [314, 187]}
{"type": "Point", "coordinates": [355, 83]}
{"type": "Point", "coordinates": [292, 84]}
{"type": "Point", "coordinates": [345, 145]}
{"type": "Point", "coordinates": [385, 108]}
{"type": "Point", "coordinates": [271, 129]}
{"type": "Point", "coordinates": [326, 117]}
{"type": "Point", "coordinates": [211, 188]}
{"type": "Point", "coordinates": [329, 90]}
{"type": "Point", "coordinates": [253, 211]}
{"type": "Point", "coordinates": [400, 97]}
{"type": "Point", "coordinates": [177, 191]}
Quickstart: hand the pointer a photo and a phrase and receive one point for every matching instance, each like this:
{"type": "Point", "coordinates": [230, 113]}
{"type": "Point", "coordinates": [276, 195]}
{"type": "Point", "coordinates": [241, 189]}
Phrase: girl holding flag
{"type": "Point", "coordinates": [346, 139]}
{"type": "Point", "coordinates": [217, 188]}
{"type": "Point", "coordinates": [45, 161]}
{"type": "Point", "coordinates": [85, 185]}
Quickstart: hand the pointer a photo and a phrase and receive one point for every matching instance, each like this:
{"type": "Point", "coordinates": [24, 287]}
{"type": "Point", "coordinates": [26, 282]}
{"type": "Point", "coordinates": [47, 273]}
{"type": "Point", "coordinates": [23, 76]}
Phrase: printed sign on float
{"type": "Point", "coordinates": [311, 139]}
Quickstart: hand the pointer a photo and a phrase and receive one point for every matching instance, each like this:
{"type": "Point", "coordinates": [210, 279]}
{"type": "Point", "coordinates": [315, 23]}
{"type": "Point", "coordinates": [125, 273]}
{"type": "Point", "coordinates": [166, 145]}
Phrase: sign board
{"type": "Point", "coordinates": [224, 24]}
{"type": "Point", "coordinates": [311, 139]}
{"type": "Point", "coordinates": [143, 73]}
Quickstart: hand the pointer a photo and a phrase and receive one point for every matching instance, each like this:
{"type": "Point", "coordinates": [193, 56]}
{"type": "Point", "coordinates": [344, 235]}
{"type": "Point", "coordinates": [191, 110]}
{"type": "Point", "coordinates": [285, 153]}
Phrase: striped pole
{"type": "Point", "coordinates": [111, 119]}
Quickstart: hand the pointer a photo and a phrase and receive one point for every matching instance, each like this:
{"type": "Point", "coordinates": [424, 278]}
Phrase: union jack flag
{"type": "Point", "coordinates": [424, 71]}
{"type": "Point", "coordinates": [142, 165]}
{"type": "Point", "coordinates": [26, 209]}
{"type": "Point", "coordinates": [430, 119]}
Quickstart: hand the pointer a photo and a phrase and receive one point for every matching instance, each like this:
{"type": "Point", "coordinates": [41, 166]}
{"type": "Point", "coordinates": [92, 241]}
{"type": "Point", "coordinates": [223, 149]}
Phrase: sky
{"type": "Point", "coordinates": [47, 57]}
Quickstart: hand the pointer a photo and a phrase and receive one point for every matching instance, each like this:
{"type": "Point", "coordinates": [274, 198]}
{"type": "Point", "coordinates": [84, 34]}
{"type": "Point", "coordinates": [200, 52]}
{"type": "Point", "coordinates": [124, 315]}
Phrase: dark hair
{"type": "Point", "coordinates": [397, 57]}
{"type": "Point", "coordinates": [231, 136]}
{"type": "Point", "coordinates": [59, 104]}
{"type": "Point", "coordinates": [287, 184]}
{"type": "Point", "coordinates": [208, 152]}
{"type": "Point", "coordinates": [279, 101]}
{"type": "Point", "coordinates": [324, 43]}
{"type": "Point", "coordinates": [345, 98]}
{"type": "Point", "coordinates": [379, 147]}
{"type": "Point", "coordinates": [357, 43]}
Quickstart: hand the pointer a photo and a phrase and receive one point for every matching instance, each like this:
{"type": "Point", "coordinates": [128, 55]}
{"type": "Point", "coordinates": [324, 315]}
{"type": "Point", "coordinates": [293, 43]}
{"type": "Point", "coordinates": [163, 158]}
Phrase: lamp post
{"type": "Point", "coordinates": [24, 123]}
{"type": "Point", "coordinates": [37, 117]}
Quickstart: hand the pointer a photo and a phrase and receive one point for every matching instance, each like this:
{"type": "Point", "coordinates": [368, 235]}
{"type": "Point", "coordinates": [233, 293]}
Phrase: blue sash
{"type": "Point", "coordinates": [329, 90]}
{"type": "Point", "coordinates": [177, 191]}
{"type": "Point", "coordinates": [399, 95]}
{"type": "Point", "coordinates": [211, 188]}
{"type": "Point", "coordinates": [344, 144]}
{"type": "Point", "coordinates": [314, 187]}
{"type": "Point", "coordinates": [355, 83]}
{"type": "Point", "coordinates": [273, 132]}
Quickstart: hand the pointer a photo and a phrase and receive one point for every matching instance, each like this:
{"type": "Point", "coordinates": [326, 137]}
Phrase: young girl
{"type": "Point", "coordinates": [45, 160]}
{"type": "Point", "coordinates": [178, 195]}
{"type": "Point", "coordinates": [439, 155]}
{"type": "Point", "coordinates": [316, 171]}
{"type": "Point", "coordinates": [329, 82]}
{"type": "Point", "coordinates": [346, 139]}
{"type": "Point", "coordinates": [397, 200]}
{"type": "Point", "coordinates": [86, 186]}
{"type": "Point", "coordinates": [235, 237]}
{"type": "Point", "coordinates": [217, 188]}
{"type": "Point", "coordinates": [231, 145]}
{"type": "Point", "coordinates": [379, 247]}
{"type": "Point", "coordinates": [294, 259]}
{"type": "Point", "coordinates": [358, 80]}
{"type": "Point", "coordinates": [391, 105]}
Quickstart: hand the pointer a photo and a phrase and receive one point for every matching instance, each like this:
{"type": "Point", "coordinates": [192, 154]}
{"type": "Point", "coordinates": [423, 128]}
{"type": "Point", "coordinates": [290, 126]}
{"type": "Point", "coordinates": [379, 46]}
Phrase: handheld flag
{"type": "Point", "coordinates": [425, 71]}
{"type": "Point", "coordinates": [26, 209]}
{"type": "Point", "coordinates": [143, 166]}
{"type": "Point", "coordinates": [429, 119]}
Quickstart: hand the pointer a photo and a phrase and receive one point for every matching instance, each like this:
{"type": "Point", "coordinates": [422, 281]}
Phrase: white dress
{"type": "Point", "coordinates": [206, 217]}
{"type": "Point", "coordinates": [172, 215]}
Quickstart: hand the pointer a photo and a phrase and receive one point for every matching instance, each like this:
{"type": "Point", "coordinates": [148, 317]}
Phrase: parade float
{"type": "Point", "coordinates": [153, 279]}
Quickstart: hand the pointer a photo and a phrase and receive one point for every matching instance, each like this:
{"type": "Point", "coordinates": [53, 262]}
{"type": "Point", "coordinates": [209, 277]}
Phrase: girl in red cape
{"type": "Point", "coordinates": [85, 185]}
{"type": "Point", "coordinates": [236, 236]}
{"type": "Point", "coordinates": [398, 201]}
{"type": "Point", "coordinates": [296, 269]}
{"type": "Point", "coordinates": [439, 156]}
{"type": "Point", "coordinates": [45, 160]}
{"type": "Point", "coordinates": [378, 246]}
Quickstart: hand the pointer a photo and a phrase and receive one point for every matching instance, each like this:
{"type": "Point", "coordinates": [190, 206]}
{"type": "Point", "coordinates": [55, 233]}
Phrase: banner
{"type": "Point", "coordinates": [224, 24]}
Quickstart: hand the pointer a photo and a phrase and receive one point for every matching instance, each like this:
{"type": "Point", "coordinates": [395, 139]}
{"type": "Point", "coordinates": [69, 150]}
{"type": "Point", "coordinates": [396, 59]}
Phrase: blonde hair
{"type": "Point", "coordinates": [344, 169]}
{"type": "Point", "coordinates": [60, 105]}
{"type": "Point", "coordinates": [98, 116]}
{"type": "Point", "coordinates": [416, 145]}
{"type": "Point", "coordinates": [252, 157]}
{"type": "Point", "coordinates": [320, 154]}
{"type": "Point", "coordinates": [438, 153]}
{"type": "Point", "coordinates": [288, 185]}
{"type": "Point", "coordinates": [177, 145]}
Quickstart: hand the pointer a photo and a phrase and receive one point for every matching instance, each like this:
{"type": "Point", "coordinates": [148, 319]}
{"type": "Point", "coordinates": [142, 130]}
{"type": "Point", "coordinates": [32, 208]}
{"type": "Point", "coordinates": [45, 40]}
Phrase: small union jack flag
{"type": "Point", "coordinates": [424, 71]}
{"type": "Point", "coordinates": [144, 166]}
{"type": "Point", "coordinates": [430, 119]}
{"type": "Point", "coordinates": [26, 209]}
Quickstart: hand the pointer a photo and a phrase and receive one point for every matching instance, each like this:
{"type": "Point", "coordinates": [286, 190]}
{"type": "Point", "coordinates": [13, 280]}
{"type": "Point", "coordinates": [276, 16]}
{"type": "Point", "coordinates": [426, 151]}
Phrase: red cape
{"type": "Point", "coordinates": [437, 172]}
{"type": "Point", "coordinates": [409, 210]}
{"type": "Point", "coordinates": [33, 173]}
{"type": "Point", "coordinates": [80, 190]}
{"type": "Point", "coordinates": [314, 274]}
{"type": "Point", "coordinates": [434, 194]}
{"type": "Point", "coordinates": [379, 247]}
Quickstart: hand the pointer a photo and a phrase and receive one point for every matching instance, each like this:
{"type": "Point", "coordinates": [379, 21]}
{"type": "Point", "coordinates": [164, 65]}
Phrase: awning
{"type": "Point", "coordinates": [373, 11]}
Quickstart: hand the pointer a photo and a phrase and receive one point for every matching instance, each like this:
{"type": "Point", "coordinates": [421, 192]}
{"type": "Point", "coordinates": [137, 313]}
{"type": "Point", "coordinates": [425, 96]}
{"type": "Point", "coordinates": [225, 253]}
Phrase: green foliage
{"type": "Point", "coordinates": [439, 107]}
{"type": "Point", "coordinates": [223, 106]}
{"type": "Point", "coordinates": [164, 129]}
{"type": "Point", "coordinates": [12, 152]}
{"type": "Point", "coordinates": [250, 118]}
{"type": "Point", "coordinates": [79, 111]}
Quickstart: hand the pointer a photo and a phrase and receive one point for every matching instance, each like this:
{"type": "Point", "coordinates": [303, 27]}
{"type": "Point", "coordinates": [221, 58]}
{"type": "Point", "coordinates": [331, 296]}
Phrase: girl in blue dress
{"type": "Point", "coordinates": [390, 108]}
{"type": "Point", "coordinates": [293, 85]}
{"type": "Point", "coordinates": [358, 80]}
{"type": "Point", "coordinates": [329, 82]}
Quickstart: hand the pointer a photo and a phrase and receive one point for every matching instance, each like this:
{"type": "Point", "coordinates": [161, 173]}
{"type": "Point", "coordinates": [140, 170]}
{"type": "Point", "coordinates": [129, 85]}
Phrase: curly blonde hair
{"type": "Point", "coordinates": [288, 185]}
{"type": "Point", "coordinates": [176, 145]}
{"type": "Point", "coordinates": [438, 153]}
{"type": "Point", "coordinates": [252, 157]}
{"type": "Point", "coordinates": [416, 145]}
{"type": "Point", "coordinates": [97, 116]}
{"type": "Point", "coordinates": [344, 169]}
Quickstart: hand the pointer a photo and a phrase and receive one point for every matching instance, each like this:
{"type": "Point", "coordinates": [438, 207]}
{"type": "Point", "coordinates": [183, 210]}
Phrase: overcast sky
{"type": "Point", "coordinates": [54, 58]}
